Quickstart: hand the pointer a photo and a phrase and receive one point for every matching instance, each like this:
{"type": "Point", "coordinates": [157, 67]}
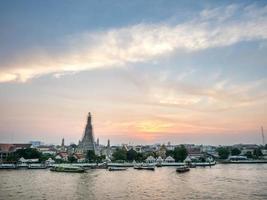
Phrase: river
{"type": "Point", "coordinates": [245, 181]}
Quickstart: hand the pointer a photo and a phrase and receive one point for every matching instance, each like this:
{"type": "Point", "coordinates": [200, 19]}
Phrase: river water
{"type": "Point", "coordinates": [219, 182]}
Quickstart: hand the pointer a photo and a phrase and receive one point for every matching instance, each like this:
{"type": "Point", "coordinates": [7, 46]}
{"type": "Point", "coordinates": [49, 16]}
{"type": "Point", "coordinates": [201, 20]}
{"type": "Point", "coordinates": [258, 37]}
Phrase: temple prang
{"type": "Point", "coordinates": [87, 143]}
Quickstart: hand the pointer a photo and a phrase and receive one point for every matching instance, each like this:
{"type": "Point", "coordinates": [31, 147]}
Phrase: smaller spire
{"type": "Point", "coordinates": [62, 142]}
{"type": "Point", "coordinates": [89, 119]}
{"type": "Point", "coordinates": [108, 143]}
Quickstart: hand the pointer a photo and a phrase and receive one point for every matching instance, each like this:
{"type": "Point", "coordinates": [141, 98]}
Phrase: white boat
{"type": "Point", "coordinates": [145, 167]}
{"type": "Point", "coordinates": [37, 166]}
{"type": "Point", "coordinates": [8, 166]}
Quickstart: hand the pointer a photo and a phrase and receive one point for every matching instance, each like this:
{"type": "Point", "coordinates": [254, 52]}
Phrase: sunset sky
{"type": "Point", "coordinates": [148, 71]}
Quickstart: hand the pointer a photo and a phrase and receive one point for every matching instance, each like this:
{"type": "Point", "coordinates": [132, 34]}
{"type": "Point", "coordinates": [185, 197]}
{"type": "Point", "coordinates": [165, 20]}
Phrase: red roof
{"type": "Point", "coordinates": [63, 154]}
{"type": "Point", "coordinates": [78, 156]}
{"type": "Point", "coordinates": [13, 147]}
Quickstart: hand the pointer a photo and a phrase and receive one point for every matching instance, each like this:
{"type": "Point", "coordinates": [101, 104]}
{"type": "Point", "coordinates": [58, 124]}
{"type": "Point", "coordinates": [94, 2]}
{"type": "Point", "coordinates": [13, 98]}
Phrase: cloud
{"type": "Point", "coordinates": [221, 96]}
{"type": "Point", "coordinates": [217, 27]}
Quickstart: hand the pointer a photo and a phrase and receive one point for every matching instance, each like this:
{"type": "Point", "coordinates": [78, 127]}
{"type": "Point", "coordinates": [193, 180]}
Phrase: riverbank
{"type": "Point", "coordinates": [243, 162]}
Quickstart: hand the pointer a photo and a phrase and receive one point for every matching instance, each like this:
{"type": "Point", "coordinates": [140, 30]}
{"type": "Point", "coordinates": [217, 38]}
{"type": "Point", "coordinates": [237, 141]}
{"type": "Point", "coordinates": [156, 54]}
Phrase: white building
{"type": "Point", "coordinates": [150, 159]}
{"type": "Point", "coordinates": [169, 159]}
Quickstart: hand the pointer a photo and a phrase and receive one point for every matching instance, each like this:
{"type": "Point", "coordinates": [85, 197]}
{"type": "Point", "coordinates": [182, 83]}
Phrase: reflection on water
{"type": "Point", "coordinates": [218, 182]}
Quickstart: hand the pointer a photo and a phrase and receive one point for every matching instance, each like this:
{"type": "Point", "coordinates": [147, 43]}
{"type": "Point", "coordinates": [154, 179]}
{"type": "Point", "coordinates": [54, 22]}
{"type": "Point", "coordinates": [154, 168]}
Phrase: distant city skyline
{"type": "Point", "coordinates": [148, 71]}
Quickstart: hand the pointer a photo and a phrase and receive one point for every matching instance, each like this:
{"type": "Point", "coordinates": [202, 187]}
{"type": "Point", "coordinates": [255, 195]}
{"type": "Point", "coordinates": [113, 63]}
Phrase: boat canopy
{"type": "Point", "coordinates": [23, 160]}
{"type": "Point", "coordinates": [50, 160]}
{"type": "Point", "coordinates": [188, 159]}
{"type": "Point", "coordinates": [150, 159]}
{"type": "Point", "coordinates": [159, 159]}
{"type": "Point", "coordinates": [169, 159]}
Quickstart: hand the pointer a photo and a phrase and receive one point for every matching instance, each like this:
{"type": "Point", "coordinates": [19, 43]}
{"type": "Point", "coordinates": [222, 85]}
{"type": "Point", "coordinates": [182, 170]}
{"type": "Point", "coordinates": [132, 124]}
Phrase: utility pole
{"type": "Point", "coordinates": [262, 134]}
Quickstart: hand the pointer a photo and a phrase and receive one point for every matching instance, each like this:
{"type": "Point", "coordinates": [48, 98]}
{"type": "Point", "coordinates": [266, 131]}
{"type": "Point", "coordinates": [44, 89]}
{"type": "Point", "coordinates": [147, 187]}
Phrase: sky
{"type": "Point", "coordinates": [149, 71]}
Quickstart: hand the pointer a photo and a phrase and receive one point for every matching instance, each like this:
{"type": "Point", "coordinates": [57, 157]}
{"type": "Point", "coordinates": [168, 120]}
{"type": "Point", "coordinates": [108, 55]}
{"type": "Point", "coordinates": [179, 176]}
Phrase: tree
{"type": "Point", "coordinates": [11, 158]}
{"type": "Point", "coordinates": [45, 157]}
{"type": "Point", "coordinates": [28, 153]}
{"type": "Point", "coordinates": [91, 157]}
{"type": "Point", "coordinates": [235, 152]}
{"type": "Point", "coordinates": [74, 146]}
{"type": "Point", "coordinates": [72, 159]}
{"type": "Point", "coordinates": [131, 155]}
{"type": "Point", "coordinates": [120, 154]}
{"type": "Point", "coordinates": [223, 152]}
{"type": "Point", "coordinates": [162, 151]}
{"type": "Point", "coordinates": [249, 154]}
{"type": "Point", "coordinates": [169, 153]}
{"type": "Point", "coordinates": [140, 157]}
{"type": "Point", "coordinates": [100, 158]}
{"type": "Point", "coordinates": [180, 153]}
{"type": "Point", "coordinates": [257, 153]}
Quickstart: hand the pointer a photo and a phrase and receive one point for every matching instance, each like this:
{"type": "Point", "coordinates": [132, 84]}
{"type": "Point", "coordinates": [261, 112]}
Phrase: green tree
{"type": "Point", "coordinates": [249, 154]}
{"type": "Point", "coordinates": [257, 153]}
{"type": "Point", "coordinates": [235, 152]}
{"type": "Point", "coordinates": [91, 157]}
{"type": "Point", "coordinates": [45, 157]}
{"type": "Point", "coordinates": [120, 154]}
{"type": "Point", "coordinates": [72, 159]}
{"type": "Point", "coordinates": [73, 146]}
{"type": "Point", "coordinates": [180, 153]}
{"type": "Point", "coordinates": [140, 157]}
{"type": "Point", "coordinates": [223, 152]}
{"type": "Point", "coordinates": [100, 158]}
{"type": "Point", "coordinates": [169, 153]}
{"type": "Point", "coordinates": [28, 153]}
{"type": "Point", "coordinates": [131, 155]}
{"type": "Point", "coordinates": [11, 158]}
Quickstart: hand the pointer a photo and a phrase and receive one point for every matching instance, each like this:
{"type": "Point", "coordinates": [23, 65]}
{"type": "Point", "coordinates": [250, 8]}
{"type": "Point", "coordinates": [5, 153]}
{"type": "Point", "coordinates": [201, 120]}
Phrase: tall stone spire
{"type": "Point", "coordinates": [108, 149]}
{"type": "Point", "coordinates": [88, 142]}
{"type": "Point", "coordinates": [108, 143]}
{"type": "Point", "coordinates": [63, 145]}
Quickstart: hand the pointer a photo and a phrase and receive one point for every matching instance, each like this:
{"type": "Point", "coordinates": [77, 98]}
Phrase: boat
{"type": "Point", "coordinates": [205, 164]}
{"type": "Point", "coordinates": [125, 164]}
{"type": "Point", "coordinates": [144, 167]}
{"type": "Point", "coordinates": [182, 169]}
{"type": "Point", "coordinates": [117, 168]}
{"type": "Point", "coordinates": [8, 166]}
{"type": "Point", "coordinates": [159, 165]}
{"type": "Point", "coordinates": [67, 168]}
{"type": "Point", "coordinates": [244, 162]}
{"type": "Point", "coordinates": [192, 165]}
{"type": "Point", "coordinates": [37, 166]}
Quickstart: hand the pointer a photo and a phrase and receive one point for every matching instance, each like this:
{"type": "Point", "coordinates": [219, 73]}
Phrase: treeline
{"type": "Point", "coordinates": [28, 153]}
{"type": "Point", "coordinates": [121, 154]}
{"type": "Point", "coordinates": [225, 152]}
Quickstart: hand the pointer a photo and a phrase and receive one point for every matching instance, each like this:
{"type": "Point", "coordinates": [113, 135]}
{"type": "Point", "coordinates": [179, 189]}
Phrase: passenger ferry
{"type": "Point", "coordinates": [8, 166]}
{"type": "Point", "coordinates": [145, 167]}
{"type": "Point", "coordinates": [37, 166]}
{"type": "Point", "coordinates": [67, 168]}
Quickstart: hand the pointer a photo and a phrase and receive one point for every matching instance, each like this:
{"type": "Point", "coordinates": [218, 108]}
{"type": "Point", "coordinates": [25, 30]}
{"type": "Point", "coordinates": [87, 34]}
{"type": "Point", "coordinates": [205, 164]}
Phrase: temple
{"type": "Point", "coordinates": [88, 142]}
